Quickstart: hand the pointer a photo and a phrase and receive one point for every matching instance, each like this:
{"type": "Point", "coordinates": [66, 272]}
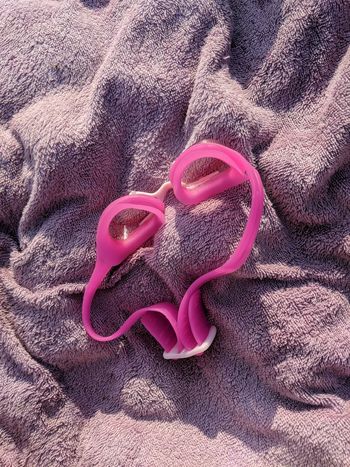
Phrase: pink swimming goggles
{"type": "Point", "coordinates": [182, 332]}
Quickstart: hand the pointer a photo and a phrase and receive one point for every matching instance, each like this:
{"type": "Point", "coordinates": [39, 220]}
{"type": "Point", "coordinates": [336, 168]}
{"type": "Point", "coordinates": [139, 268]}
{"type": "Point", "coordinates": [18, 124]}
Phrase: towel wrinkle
{"type": "Point", "coordinates": [97, 98]}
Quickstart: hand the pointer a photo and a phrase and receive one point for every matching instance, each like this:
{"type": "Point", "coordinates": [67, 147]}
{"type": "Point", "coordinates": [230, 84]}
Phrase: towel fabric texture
{"type": "Point", "coordinates": [97, 98]}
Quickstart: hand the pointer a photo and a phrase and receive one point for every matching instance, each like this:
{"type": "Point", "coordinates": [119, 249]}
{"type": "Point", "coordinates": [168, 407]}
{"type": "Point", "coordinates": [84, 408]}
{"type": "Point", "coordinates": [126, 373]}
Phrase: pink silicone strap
{"type": "Point", "coordinates": [160, 319]}
{"type": "Point", "coordinates": [191, 319]}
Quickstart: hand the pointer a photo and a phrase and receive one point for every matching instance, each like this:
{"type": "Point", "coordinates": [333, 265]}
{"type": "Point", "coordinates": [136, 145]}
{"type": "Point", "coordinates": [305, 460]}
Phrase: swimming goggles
{"type": "Point", "coordinates": [185, 331]}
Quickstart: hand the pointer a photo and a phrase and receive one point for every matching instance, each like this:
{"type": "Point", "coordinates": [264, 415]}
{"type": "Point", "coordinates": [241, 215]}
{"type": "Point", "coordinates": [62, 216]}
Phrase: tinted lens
{"type": "Point", "coordinates": [126, 222]}
{"type": "Point", "coordinates": [201, 170]}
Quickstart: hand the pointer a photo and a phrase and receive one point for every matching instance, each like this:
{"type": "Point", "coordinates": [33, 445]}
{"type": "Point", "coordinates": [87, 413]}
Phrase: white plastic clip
{"type": "Point", "coordinates": [174, 354]}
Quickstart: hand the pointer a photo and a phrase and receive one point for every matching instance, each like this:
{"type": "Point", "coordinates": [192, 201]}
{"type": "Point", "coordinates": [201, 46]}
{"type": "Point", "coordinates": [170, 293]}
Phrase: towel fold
{"type": "Point", "coordinates": [97, 98]}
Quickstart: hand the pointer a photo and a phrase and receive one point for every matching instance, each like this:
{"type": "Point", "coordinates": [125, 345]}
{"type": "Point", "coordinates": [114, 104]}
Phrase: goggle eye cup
{"type": "Point", "coordinates": [210, 185]}
{"type": "Point", "coordinates": [113, 251]}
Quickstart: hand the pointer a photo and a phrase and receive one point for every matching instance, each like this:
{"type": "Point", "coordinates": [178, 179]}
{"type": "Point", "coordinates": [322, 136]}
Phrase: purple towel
{"type": "Point", "coordinates": [97, 98]}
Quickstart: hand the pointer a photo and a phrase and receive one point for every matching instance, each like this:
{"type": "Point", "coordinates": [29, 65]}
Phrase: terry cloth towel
{"type": "Point", "coordinates": [97, 98]}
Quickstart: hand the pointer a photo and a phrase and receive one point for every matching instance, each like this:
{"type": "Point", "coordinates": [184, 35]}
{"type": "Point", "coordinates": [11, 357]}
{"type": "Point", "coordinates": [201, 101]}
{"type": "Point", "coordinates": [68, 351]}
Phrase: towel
{"type": "Point", "coordinates": [97, 98]}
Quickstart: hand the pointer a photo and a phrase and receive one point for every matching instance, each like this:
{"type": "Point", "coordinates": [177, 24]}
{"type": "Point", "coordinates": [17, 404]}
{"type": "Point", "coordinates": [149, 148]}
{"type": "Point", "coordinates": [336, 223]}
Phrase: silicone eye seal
{"type": "Point", "coordinates": [212, 184]}
{"type": "Point", "coordinates": [111, 251]}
